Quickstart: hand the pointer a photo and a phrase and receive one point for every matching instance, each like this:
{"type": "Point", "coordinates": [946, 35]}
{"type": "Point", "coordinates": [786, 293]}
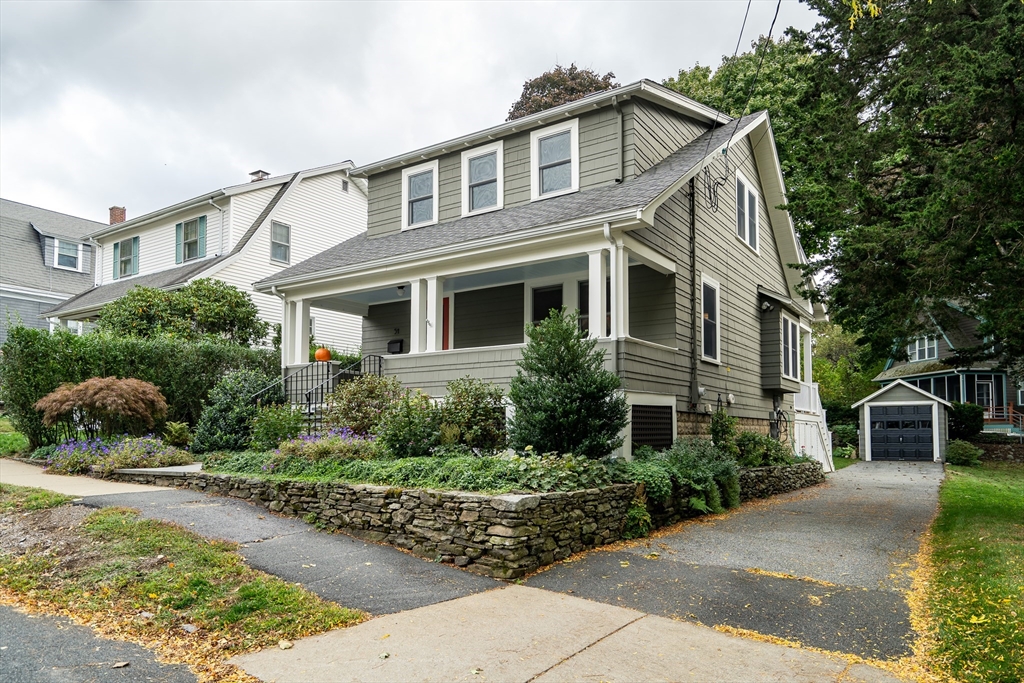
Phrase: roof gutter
{"type": "Point", "coordinates": [150, 217]}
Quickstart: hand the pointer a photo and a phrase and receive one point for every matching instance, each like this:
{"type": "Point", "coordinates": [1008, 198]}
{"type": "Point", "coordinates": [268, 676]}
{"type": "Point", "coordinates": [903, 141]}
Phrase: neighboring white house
{"type": "Point", "coordinates": [238, 234]}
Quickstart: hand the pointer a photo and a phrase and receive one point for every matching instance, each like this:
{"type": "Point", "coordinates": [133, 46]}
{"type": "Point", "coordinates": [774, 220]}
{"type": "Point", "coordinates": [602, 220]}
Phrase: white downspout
{"type": "Point", "coordinates": [220, 251]}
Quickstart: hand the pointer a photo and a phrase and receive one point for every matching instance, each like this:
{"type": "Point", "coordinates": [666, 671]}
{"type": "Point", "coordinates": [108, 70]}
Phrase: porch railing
{"type": "Point", "coordinates": [808, 400]}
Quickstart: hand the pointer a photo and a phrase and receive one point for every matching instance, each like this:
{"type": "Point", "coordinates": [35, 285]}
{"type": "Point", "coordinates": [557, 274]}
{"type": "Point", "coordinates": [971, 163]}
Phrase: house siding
{"type": "Point", "coordinates": [488, 317]}
{"type": "Point", "coordinates": [651, 133]}
{"type": "Point", "coordinates": [244, 208]}
{"type": "Point", "coordinates": [380, 324]}
{"type": "Point", "coordinates": [24, 310]}
{"type": "Point", "coordinates": [652, 305]}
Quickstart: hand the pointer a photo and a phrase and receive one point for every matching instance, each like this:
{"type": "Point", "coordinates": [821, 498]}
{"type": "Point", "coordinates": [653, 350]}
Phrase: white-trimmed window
{"type": "Point", "coordinates": [280, 242]}
{"type": "Point", "coordinates": [419, 195]}
{"type": "Point", "coordinates": [924, 348]}
{"type": "Point", "coordinates": [790, 348]}
{"type": "Point", "coordinates": [126, 258]}
{"type": "Point", "coordinates": [746, 211]}
{"type": "Point", "coordinates": [67, 255]}
{"type": "Point", "coordinates": [711, 320]}
{"type": "Point", "coordinates": [483, 179]}
{"type": "Point", "coordinates": [555, 160]}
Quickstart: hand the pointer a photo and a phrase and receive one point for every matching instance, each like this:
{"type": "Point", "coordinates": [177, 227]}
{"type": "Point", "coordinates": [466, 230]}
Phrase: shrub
{"type": "Point", "coordinates": [757, 450]}
{"type": "Point", "coordinates": [723, 432]}
{"type": "Point", "coordinates": [77, 456]}
{"type": "Point", "coordinates": [965, 420]}
{"type": "Point", "coordinates": [844, 452]}
{"type": "Point", "coordinates": [274, 424]}
{"type": "Point", "coordinates": [475, 409]}
{"type": "Point", "coordinates": [35, 362]}
{"type": "Point", "coordinates": [845, 434]}
{"type": "Point", "coordinates": [409, 428]}
{"type": "Point", "coordinates": [656, 478]}
{"type": "Point", "coordinates": [962, 453]}
{"type": "Point", "coordinates": [565, 400]}
{"type": "Point", "coordinates": [106, 405]}
{"type": "Point", "coordinates": [226, 423]}
{"type": "Point", "coordinates": [177, 434]}
{"type": "Point", "coordinates": [361, 403]}
{"type": "Point", "coordinates": [638, 520]}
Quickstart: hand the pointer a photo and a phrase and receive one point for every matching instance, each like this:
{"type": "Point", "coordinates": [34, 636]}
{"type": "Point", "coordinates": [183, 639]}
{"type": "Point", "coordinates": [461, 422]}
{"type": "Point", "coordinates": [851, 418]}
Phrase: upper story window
{"type": "Point", "coordinates": [554, 160]}
{"type": "Point", "coordinates": [280, 242]}
{"type": "Point", "coordinates": [419, 195]}
{"type": "Point", "coordinates": [67, 255]}
{"type": "Point", "coordinates": [711, 319]}
{"type": "Point", "coordinates": [190, 240]}
{"type": "Point", "coordinates": [746, 212]}
{"type": "Point", "coordinates": [483, 179]}
{"type": "Point", "coordinates": [126, 257]}
{"type": "Point", "coordinates": [925, 348]}
{"type": "Point", "coordinates": [790, 348]}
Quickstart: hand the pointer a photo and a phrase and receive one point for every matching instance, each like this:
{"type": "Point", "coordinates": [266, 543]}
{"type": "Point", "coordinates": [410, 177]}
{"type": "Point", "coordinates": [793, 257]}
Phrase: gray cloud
{"type": "Point", "coordinates": [145, 104]}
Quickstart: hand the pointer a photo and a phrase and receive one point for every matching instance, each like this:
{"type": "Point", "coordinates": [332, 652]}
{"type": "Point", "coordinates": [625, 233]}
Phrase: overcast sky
{"type": "Point", "coordinates": [144, 105]}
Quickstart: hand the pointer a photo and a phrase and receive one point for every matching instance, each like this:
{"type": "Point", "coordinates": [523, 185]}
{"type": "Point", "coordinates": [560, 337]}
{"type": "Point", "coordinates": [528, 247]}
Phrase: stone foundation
{"type": "Point", "coordinates": [699, 424]}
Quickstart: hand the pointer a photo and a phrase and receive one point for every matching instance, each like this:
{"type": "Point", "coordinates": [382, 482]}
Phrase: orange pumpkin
{"type": "Point", "coordinates": [322, 354]}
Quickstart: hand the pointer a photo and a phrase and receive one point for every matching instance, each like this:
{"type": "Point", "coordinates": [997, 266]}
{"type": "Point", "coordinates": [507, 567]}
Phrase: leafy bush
{"type": "Point", "coordinates": [409, 427]}
{"type": "Point", "coordinates": [361, 403]}
{"type": "Point", "coordinates": [12, 443]}
{"type": "Point", "coordinates": [342, 444]}
{"type": "Point", "coordinates": [845, 434]}
{"type": "Point", "coordinates": [844, 452]}
{"type": "Point", "coordinates": [177, 434]}
{"type": "Point", "coordinates": [565, 400]}
{"type": "Point", "coordinates": [723, 432]}
{"type": "Point", "coordinates": [274, 424]}
{"type": "Point", "coordinates": [43, 452]}
{"type": "Point", "coordinates": [656, 478]}
{"type": "Point", "coordinates": [476, 409]}
{"type": "Point", "coordinates": [105, 405]}
{"type": "Point", "coordinates": [35, 362]}
{"type": "Point", "coordinates": [638, 520]}
{"type": "Point", "coordinates": [77, 456]}
{"type": "Point", "coordinates": [226, 423]}
{"type": "Point", "coordinates": [757, 450]}
{"type": "Point", "coordinates": [962, 453]}
{"type": "Point", "coordinates": [202, 307]}
{"type": "Point", "coordinates": [965, 420]}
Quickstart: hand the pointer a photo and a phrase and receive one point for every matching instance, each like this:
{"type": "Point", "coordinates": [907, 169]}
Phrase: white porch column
{"type": "Point", "coordinates": [620, 291]}
{"type": "Point", "coordinates": [808, 360]}
{"type": "Point", "coordinates": [418, 316]}
{"type": "Point", "coordinates": [301, 350]}
{"type": "Point", "coordinates": [287, 333]}
{"type": "Point", "coordinates": [597, 293]}
{"type": "Point", "coordinates": [434, 313]}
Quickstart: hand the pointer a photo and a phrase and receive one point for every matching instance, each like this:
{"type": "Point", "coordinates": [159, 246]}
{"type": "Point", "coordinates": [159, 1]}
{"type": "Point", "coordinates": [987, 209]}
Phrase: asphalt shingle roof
{"type": "Point", "coordinates": [634, 193]}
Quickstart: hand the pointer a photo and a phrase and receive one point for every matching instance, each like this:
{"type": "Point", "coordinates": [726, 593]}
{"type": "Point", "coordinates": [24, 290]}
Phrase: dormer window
{"type": "Point", "coordinates": [67, 255]}
{"type": "Point", "coordinates": [126, 258]}
{"type": "Point", "coordinates": [483, 179]}
{"type": "Point", "coordinates": [925, 348]}
{"type": "Point", "coordinates": [419, 195]}
{"type": "Point", "coordinates": [746, 212]}
{"type": "Point", "coordinates": [190, 240]}
{"type": "Point", "coordinates": [554, 160]}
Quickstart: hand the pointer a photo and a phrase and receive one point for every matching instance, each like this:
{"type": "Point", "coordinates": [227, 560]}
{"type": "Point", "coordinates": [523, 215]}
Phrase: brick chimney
{"type": "Point", "coordinates": [117, 215]}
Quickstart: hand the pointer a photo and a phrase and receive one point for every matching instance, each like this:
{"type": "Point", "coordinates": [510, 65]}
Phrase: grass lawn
{"type": "Point", "coordinates": [977, 592]}
{"type": "Point", "coordinates": [192, 599]}
{"type": "Point", "coordinates": [840, 463]}
{"type": "Point", "coordinates": [11, 442]}
{"type": "Point", "coordinates": [25, 498]}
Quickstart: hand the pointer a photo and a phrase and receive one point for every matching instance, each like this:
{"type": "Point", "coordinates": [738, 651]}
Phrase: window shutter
{"type": "Point", "coordinates": [135, 256]}
{"type": "Point", "coordinates": [178, 244]}
{"type": "Point", "coordinates": [202, 236]}
{"type": "Point", "coordinates": [117, 260]}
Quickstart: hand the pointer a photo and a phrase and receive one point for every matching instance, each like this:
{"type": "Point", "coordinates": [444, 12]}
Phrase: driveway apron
{"type": "Point", "coordinates": [373, 578]}
{"type": "Point", "coordinates": [851, 542]}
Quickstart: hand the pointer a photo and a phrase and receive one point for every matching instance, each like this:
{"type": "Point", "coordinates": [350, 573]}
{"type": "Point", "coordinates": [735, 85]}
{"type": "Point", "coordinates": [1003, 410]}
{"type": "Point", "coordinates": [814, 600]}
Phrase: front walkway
{"type": "Point", "coordinates": [23, 474]}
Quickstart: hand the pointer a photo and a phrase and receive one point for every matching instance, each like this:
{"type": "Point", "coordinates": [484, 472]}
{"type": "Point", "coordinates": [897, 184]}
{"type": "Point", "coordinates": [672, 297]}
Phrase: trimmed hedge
{"type": "Point", "coordinates": [35, 362]}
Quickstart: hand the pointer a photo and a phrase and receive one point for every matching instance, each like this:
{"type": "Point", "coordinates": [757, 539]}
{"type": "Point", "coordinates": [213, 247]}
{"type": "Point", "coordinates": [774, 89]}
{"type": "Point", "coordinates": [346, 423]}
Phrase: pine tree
{"type": "Point", "coordinates": [565, 401]}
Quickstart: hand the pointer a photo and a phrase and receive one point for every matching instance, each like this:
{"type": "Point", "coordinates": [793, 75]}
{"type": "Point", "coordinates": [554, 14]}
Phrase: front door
{"type": "Point", "coordinates": [985, 395]}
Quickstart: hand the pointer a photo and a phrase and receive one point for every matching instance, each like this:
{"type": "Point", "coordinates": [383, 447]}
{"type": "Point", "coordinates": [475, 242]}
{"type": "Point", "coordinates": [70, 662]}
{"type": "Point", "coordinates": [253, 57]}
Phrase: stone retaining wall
{"type": "Point", "coordinates": [503, 536]}
{"type": "Point", "coordinates": [1002, 452]}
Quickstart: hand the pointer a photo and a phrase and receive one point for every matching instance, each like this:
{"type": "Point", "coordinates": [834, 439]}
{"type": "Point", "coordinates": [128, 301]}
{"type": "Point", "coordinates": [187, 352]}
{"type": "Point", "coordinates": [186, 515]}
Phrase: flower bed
{"type": "Point", "coordinates": [104, 456]}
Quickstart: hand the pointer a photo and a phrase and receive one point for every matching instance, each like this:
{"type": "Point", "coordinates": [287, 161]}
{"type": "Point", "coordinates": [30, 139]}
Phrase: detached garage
{"type": "Point", "coordinates": [902, 422]}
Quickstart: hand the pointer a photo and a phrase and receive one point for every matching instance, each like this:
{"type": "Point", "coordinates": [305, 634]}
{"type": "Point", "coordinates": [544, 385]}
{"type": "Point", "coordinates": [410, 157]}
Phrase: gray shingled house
{"type": "Point", "coordinates": [45, 259]}
{"type": "Point", "coordinates": [671, 206]}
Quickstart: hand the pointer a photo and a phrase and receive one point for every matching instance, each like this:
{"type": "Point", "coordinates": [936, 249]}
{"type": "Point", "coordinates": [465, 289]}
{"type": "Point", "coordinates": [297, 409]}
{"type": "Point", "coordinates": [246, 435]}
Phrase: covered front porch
{"type": "Point", "coordinates": [467, 315]}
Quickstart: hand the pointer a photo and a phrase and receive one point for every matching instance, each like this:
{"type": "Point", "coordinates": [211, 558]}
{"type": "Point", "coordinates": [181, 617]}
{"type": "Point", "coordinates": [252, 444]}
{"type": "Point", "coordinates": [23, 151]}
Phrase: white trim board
{"type": "Point", "coordinates": [899, 382]}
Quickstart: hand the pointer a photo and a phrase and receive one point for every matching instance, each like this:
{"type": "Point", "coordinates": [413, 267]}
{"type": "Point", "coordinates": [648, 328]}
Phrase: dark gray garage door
{"type": "Point", "coordinates": [902, 433]}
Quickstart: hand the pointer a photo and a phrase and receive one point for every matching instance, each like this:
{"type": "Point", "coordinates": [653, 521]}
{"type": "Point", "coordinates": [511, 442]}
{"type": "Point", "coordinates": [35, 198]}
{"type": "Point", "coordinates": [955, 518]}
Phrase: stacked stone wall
{"type": "Point", "coordinates": [1001, 452]}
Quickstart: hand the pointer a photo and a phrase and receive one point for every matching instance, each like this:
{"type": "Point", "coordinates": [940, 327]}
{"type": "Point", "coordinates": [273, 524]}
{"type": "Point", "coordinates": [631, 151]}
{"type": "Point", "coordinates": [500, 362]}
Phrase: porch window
{"type": "Point", "coordinates": [924, 348]}
{"type": "Point", "coordinates": [554, 160]}
{"type": "Point", "coordinates": [545, 299]}
{"type": "Point", "coordinates": [419, 195]}
{"type": "Point", "coordinates": [746, 212]}
{"type": "Point", "coordinates": [68, 254]}
{"type": "Point", "coordinates": [711, 321]}
{"type": "Point", "coordinates": [482, 179]}
{"type": "Point", "coordinates": [280, 242]}
{"type": "Point", "coordinates": [790, 349]}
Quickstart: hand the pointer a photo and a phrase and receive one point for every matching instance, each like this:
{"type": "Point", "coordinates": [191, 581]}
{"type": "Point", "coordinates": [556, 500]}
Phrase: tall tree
{"type": "Point", "coordinates": [913, 156]}
{"type": "Point", "coordinates": [558, 86]}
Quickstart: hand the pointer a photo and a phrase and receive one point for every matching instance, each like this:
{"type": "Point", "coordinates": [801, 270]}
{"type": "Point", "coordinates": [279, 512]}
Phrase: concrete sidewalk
{"type": "Point", "coordinates": [23, 474]}
{"type": "Point", "coordinates": [518, 633]}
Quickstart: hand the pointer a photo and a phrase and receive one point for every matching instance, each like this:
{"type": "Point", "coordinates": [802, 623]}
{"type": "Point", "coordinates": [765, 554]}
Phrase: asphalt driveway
{"type": "Point", "coordinates": [851, 541]}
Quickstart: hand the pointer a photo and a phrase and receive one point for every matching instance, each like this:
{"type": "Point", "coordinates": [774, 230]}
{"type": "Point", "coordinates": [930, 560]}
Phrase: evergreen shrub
{"type": "Point", "coordinates": [473, 414]}
{"type": "Point", "coordinates": [226, 423]}
{"type": "Point", "coordinates": [962, 453]}
{"type": "Point", "coordinates": [965, 420]}
{"type": "Point", "coordinates": [274, 424]}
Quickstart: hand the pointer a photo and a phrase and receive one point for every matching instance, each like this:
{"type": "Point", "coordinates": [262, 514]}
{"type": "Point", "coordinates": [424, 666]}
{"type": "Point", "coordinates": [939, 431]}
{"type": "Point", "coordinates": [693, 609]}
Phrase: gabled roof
{"type": "Point", "coordinates": [646, 89]}
{"type": "Point", "coordinates": [627, 199]}
{"type": "Point", "coordinates": [901, 383]}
